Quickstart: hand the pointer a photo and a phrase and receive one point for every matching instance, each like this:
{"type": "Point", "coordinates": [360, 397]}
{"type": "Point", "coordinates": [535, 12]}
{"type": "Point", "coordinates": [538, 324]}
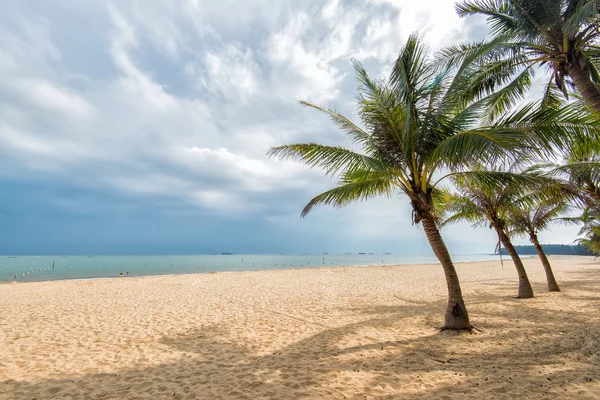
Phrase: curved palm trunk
{"type": "Point", "coordinates": [585, 86]}
{"type": "Point", "coordinates": [552, 285]}
{"type": "Point", "coordinates": [456, 312]}
{"type": "Point", "coordinates": [525, 289]}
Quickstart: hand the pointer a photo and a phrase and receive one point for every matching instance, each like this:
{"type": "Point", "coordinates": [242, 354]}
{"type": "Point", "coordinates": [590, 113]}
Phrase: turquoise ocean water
{"type": "Point", "coordinates": [40, 268]}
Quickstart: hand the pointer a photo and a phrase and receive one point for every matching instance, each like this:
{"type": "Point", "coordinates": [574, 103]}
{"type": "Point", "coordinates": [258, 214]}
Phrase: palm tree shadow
{"type": "Point", "coordinates": [213, 365]}
{"type": "Point", "coordinates": [394, 351]}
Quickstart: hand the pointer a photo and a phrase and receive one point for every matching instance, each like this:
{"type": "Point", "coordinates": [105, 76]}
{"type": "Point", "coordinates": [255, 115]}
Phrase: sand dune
{"type": "Point", "coordinates": [338, 333]}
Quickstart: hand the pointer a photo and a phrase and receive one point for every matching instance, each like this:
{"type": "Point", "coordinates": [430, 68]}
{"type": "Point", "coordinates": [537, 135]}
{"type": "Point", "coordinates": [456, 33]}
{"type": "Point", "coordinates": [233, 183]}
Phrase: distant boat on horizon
{"type": "Point", "coordinates": [226, 254]}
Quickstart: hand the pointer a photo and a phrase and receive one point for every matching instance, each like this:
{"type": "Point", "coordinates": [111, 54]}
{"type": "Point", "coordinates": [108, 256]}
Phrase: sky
{"type": "Point", "coordinates": [141, 127]}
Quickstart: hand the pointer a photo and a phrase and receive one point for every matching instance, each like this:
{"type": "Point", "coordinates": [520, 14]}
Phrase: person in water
{"type": "Point", "coordinates": [121, 274]}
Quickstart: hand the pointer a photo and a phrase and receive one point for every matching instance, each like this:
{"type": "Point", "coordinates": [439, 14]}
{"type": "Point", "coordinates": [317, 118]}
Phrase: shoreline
{"type": "Point", "coordinates": [274, 269]}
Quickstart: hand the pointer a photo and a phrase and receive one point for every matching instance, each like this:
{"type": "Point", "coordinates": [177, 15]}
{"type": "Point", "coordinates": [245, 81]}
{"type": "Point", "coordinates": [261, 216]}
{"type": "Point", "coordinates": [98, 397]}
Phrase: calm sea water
{"type": "Point", "coordinates": [44, 268]}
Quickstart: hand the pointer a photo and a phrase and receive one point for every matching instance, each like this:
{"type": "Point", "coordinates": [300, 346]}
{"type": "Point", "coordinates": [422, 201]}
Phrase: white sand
{"type": "Point", "coordinates": [355, 333]}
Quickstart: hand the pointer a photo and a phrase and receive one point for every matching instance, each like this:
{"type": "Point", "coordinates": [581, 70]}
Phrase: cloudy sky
{"type": "Point", "coordinates": [142, 126]}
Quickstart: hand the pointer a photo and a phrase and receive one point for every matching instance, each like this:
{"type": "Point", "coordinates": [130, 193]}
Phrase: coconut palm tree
{"type": "Point", "coordinates": [590, 231]}
{"type": "Point", "coordinates": [486, 203]}
{"type": "Point", "coordinates": [527, 219]}
{"type": "Point", "coordinates": [560, 34]}
{"type": "Point", "coordinates": [415, 124]}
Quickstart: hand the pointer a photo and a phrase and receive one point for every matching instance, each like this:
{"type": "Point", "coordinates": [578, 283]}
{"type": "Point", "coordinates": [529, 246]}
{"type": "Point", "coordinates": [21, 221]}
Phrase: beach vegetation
{"type": "Point", "coordinates": [561, 36]}
{"type": "Point", "coordinates": [485, 203]}
{"type": "Point", "coordinates": [530, 219]}
{"type": "Point", "coordinates": [590, 231]}
{"type": "Point", "coordinates": [426, 122]}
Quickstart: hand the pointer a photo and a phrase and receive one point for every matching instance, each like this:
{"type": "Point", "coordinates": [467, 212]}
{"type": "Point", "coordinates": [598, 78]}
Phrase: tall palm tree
{"type": "Point", "coordinates": [560, 34]}
{"type": "Point", "coordinates": [486, 203]}
{"type": "Point", "coordinates": [415, 124]}
{"type": "Point", "coordinates": [529, 220]}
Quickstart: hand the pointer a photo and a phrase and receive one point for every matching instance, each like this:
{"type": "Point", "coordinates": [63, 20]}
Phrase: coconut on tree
{"type": "Point", "coordinates": [562, 35]}
{"type": "Point", "coordinates": [419, 123]}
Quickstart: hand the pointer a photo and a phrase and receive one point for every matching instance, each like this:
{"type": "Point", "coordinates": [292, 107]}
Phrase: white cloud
{"type": "Point", "coordinates": [183, 100]}
{"type": "Point", "coordinates": [231, 73]}
{"type": "Point", "coordinates": [36, 149]}
{"type": "Point", "coordinates": [47, 95]}
{"type": "Point", "coordinates": [292, 60]}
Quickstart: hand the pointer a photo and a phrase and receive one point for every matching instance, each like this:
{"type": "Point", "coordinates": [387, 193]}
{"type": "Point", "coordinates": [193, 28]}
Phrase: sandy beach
{"type": "Point", "coordinates": [336, 333]}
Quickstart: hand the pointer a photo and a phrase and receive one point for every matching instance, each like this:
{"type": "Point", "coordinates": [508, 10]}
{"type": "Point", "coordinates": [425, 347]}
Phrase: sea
{"type": "Point", "coordinates": [46, 268]}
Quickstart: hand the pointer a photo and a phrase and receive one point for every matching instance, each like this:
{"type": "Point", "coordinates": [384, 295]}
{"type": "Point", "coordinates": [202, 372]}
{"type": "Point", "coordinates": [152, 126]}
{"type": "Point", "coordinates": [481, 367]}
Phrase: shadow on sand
{"type": "Point", "coordinates": [524, 351]}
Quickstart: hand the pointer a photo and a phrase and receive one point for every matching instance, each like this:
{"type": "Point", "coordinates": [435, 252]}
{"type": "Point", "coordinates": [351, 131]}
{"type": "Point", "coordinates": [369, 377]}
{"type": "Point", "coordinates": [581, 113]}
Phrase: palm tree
{"type": "Point", "coordinates": [416, 123]}
{"type": "Point", "coordinates": [483, 203]}
{"type": "Point", "coordinates": [560, 34]}
{"type": "Point", "coordinates": [590, 231]}
{"type": "Point", "coordinates": [529, 220]}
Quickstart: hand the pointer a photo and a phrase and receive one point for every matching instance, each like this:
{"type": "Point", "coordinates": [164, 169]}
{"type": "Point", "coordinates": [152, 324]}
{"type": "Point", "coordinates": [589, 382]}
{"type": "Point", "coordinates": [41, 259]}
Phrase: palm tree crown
{"type": "Point", "coordinates": [529, 220]}
{"type": "Point", "coordinates": [561, 34]}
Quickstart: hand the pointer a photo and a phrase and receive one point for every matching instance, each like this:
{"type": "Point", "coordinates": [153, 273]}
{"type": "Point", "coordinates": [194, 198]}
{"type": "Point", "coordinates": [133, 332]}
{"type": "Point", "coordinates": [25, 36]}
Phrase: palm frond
{"type": "Point", "coordinates": [580, 170]}
{"type": "Point", "coordinates": [356, 186]}
{"type": "Point", "coordinates": [497, 13]}
{"type": "Point", "coordinates": [333, 159]}
{"type": "Point", "coordinates": [453, 208]}
{"type": "Point", "coordinates": [552, 128]}
{"type": "Point", "coordinates": [353, 131]}
{"type": "Point", "coordinates": [579, 13]}
{"type": "Point", "coordinates": [411, 69]}
{"type": "Point", "coordinates": [505, 98]}
{"type": "Point", "coordinates": [468, 147]}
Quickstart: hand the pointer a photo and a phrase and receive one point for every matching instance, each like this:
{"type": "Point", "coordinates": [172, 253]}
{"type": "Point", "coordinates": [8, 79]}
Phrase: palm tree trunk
{"type": "Point", "coordinates": [585, 86]}
{"type": "Point", "coordinates": [525, 289]}
{"type": "Point", "coordinates": [552, 285]}
{"type": "Point", "coordinates": [456, 312]}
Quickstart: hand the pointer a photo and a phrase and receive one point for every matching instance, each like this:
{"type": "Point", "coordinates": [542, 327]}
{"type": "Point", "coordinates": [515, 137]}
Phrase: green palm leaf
{"type": "Point", "coordinates": [333, 159]}
{"type": "Point", "coordinates": [357, 186]}
{"type": "Point", "coordinates": [560, 34]}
